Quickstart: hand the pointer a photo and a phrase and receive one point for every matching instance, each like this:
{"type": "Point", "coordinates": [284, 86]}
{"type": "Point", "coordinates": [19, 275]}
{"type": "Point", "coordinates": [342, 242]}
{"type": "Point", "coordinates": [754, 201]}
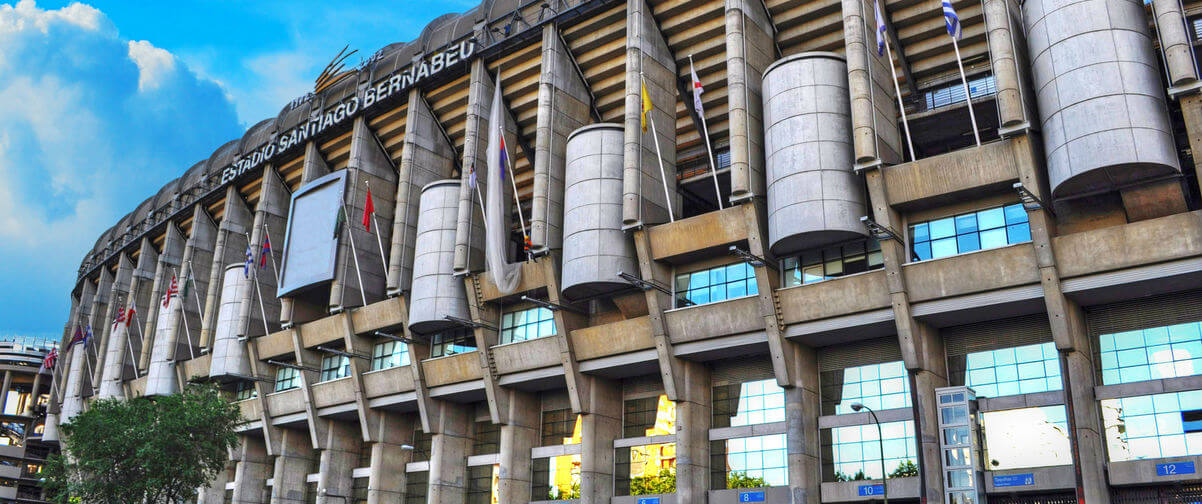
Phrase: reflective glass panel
{"type": "Point", "coordinates": [1151, 354]}
{"type": "Point", "coordinates": [856, 451]}
{"type": "Point", "coordinates": [334, 367]}
{"type": "Point", "coordinates": [528, 324]}
{"type": "Point", "coordinates": [748, 403]}
{"type": "Point", "coordinates": [645, 469]}
{"type": "Point", "coordinates": [877, 386]}
{"type": "Point", "coordinates": [1027, 437]}
{"type": "Point", "coordinates": [962, 233]}
{"type": "Point", "coordinates": [715, 284]}
{"type": "Point", "coordinates": [286, 378]}
{"type": "Point", "coordinates": [750, 462]}
{"type": "Point", "coordinates": [389, 354]}
{"type": "Point", "coordinates": [1152, 426]}
{"type": "Point", "coordinates": [832, 262]}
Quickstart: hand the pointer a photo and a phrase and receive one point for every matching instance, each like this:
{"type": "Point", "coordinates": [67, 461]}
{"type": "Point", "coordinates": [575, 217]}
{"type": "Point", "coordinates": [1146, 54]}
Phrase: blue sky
{"type": "Point", "coordinates": [102, 103]}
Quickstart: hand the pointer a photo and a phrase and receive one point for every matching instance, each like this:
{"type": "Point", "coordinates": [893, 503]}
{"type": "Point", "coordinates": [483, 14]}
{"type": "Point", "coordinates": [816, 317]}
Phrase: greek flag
{"type": "Point", "coordinates": [952, 20]}
{"type": "Point", "coordinates": [880, 29]}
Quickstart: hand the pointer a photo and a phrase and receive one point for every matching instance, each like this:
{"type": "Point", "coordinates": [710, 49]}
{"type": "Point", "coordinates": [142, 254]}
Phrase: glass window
{"type": "Point", "coordinates": [750, 462]}
{"type": "Point", "coordinates": [415, 487]}
{"type": "Point", "coordinates": [1152, 426]}
{"type": "Point", "coordinates": [452, 341]}
{"type": "Point", "coordinates": [525, 325]}
{"type": "Point", "coordinates": [1151, 354]}
{"type": "Point", "coordinates": [854, 452]}
{"type": "Point", "coordinates": [334, 367]}
{"type": "Point", "coordinates": [388, 354]}
{"type": "Point", "coordinates": [286, 378]}
{"type": "Point", "coordinates": [748, 403]}
{"type": "Point", "coordinates": [1008, 371]}
{"type": "Point", "coordinates": [877, 386]}
{"type": "Point", "coordinates": [645, 470]}
{"type": "Point", "coordinates": [482, 484]}
{"type": "Point", "coordinates": [560, 427]}
{"type": "Point", "coordinates": [715, 284]}
{"type": "Point", "coordinates": [245, 390]}
{"type": "Point", "coordinates": [954, 93]}
{"type": "Point", "coordinates": [1027, 437]}
{"type": "Point", "coordinates": [650, 416]}
{"type": "Point", "coordinates": [832, 262]}
{"type": "Point", "coordinates": [12, 433]}
{"type": "Point", "coordinates": [556, 478]}
{"type": "Point", "coordinates": [985, 229]}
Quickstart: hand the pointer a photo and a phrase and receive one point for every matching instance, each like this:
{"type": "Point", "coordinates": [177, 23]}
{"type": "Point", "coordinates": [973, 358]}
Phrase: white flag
{"type": "Point", "coordinates": [697, 90]}
{"type": "Point", "coordinates": [504, 274]}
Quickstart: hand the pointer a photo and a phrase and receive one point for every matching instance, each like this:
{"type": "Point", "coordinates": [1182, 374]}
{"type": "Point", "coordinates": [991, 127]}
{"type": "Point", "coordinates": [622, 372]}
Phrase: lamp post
{"type": "Point", "coordinates": [325, 492]}
{"type": "Point", "coordinates": [880, 440]}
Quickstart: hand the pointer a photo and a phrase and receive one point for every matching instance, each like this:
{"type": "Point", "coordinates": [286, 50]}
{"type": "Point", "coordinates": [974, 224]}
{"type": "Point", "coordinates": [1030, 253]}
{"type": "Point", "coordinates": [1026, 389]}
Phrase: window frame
{"type": "Point", "coordinates": [394, 358]}
{"type": "Point", "coordinates": [510, 324]}
{"type": "Point", "coordinates": [686, 279]}
{"type": "Point", "coordinates": [922, 236]}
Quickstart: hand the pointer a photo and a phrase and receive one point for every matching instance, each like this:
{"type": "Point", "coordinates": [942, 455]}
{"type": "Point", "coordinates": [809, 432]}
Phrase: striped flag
{"type": "Point", "coordinates": [51, 357]}
{"type": "Point", "coordinates": [172, 290]}
{"type": "Point", "coordinates": [952, 20]}
{"type": "Point", "coordinates": [265, 250]}
{"type": "Point", "coordinates": [504, 157]}
{"type": "Point", "coordinates": [880, 29]}
{"type": "Point", "coordinates": [250, 259]}
{"type": "Point", "coordinates": [697, 90]}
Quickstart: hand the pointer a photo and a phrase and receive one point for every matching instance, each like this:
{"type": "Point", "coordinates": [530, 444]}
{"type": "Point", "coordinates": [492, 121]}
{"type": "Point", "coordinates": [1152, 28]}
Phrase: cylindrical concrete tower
{"type": "Point", "coordinates": [814, 199]}
{"type": "Point", "coordinates": [436, 292]}
{"type": "Point", "coordinates": [1101, 99]}
{"type": "Point", "coordinates": [50, 431]}
{"type": "Point", "coordinates": [595, 249]}
{"type": "Point", "coordinates": [160, 378]}
{"type": "Point", "coordinates": [229, 357]}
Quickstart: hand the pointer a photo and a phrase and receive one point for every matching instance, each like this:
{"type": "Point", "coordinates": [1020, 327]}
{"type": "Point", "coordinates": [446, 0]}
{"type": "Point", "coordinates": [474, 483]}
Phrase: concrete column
{"type": "Point", "coordinates": [292, 310]}
{"type": "Point", "coordinates": [469, 225]}
{"type": "Point", "coordinates": [750, 49]}
{"type": "Point", "coordinates": [368, 166]}
{"type": "Point", "coordinates": [8, 382]}
{"type": "Point", "coordinates": [518, 437]}
{"type": "Point", "coordinates": [563, 106]}
{"type": "Point", "coordinates": [386, 482]}
{"type": "Point", "coordinates": [230, 248]}
{"type": "Point", "coordinates": [169, 265]}
{"type": "Point", "coordinates": [292, 465]}
{"type": "Point", "coordinates": [1191, 111]}
{"type": "Point", "coordinates": [214, 493]}
{"type": "Point", "coordinates": [449, 448]}
{"type": "Point", "coordinates": [105, 347]}
{"type": "Point", "coordinates": [271, 213]}
{"type": "Point", "coordinates": [1007, 56]}
{"type": "Point", "coordinates": [251, 472]}
{"type": "Point", "coordinates": [802, 408]}
{"type": "Point", "coordinates": [73, 375]}
{"type": "Point", "coordinates": [648, 59]}
{"type": "Point", "coordinates": [201, 243]}
{"type": "Point", "coordinates": [1175, 43]}
{"type": "Point", "coordinates": [34, 393]}
{"type": "Point", "coordinates": [1069, 331]}
{"type": "Point", "coordinates": [426, 157]}
{"type": "Point", "coordinates": [599, 428]}
{"type": "Point", "coordinates": [693, 419]}
{"type": "Point", "coordinates": [875, 134]}
{"type": "Point", "coordinates": [338, 461]}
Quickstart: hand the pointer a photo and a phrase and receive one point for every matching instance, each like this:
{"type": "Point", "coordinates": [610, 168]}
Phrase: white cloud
{"type": "Point", "coordinates": [90, 126]}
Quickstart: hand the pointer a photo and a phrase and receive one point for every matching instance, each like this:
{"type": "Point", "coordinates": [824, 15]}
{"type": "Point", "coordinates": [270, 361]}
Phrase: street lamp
{"type": "Point", "coordinates": [879, 439]}
{"type": "Point", "coordinates": [325, 492]}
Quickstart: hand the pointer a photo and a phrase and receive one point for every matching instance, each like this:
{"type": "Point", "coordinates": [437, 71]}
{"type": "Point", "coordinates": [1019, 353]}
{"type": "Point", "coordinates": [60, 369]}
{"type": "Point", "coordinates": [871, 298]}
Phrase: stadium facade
{"type": "Point", "coordinates": [24, 395]}
{"type": "Point", "coordinates": [781, 293]}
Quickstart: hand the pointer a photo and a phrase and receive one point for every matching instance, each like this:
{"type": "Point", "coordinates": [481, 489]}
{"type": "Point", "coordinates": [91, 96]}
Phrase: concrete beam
{"type": "Point", "coordinates": [658, 302]}
{"type": "Point", "coordinates": [293, 463]}
{"type": "Point", "coordinates": [469, 226]}
{"type": "Point", "coordinates": [649, 60]}
{"type": "Point", "coordinates": [318, 426]}
{"type": "Point", "coordinates": [565, 322]}
{"type": "Point", "coordinates": [369, 419]}
{"type": "Point", "coordinates": [485, 313]}
{"type": "Point", "coordinates": [874, 113]}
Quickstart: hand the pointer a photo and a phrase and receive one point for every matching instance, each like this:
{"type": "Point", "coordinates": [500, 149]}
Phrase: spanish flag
{"type": "Point", "coordinates": [646, 106]}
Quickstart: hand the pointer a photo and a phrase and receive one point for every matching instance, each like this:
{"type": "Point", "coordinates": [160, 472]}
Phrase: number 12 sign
{"type": "Point", "coordinates": [1175, 468]}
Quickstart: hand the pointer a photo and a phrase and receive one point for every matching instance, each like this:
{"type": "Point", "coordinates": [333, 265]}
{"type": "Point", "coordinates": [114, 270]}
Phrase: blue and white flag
{"type": "Point", "coordinates": [880, 29]}
{"type": "Point", "coordinates": [952, 20]}
{"type": "Point", "coordinates": [250, 259]}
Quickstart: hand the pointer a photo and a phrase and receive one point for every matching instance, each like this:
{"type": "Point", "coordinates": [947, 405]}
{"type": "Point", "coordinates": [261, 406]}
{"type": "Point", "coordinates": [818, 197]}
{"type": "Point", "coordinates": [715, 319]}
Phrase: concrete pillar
{"type": "Point", "coordinates": [518, 437]}
{"type": "Point", "coordinates": [8, 382]}
{"type": "Point", "coordinates": [750, 48]}
{"type": "Point", "coordinates": [198, 257]}
{"type": "Point", "coordinates": [251, 472]}
{"type": "Point", "coordinates": [469, 225]}
{"type": "Point", "coordinates": [1069, 331]}
{"type": "Point", "coordinates": [112, 340]}
{"type": "Point", "coordinates": [693, 419]}
{"type": "Point", "coordinates": [1191, 111]}
{"type": "Point", "coordinates": [338, 460]}
{"type": "Point", "coordinates": [214, 493]}
{"type": "Point", "coordinates": [386, 482]}
{"type": "Point", "coordinates": [368, 166]}
{"type": "Point", "coordinates": [563, 106]}
{"type": "Point", "coordinates": [649, 60]}
{"type": "Point", "coordinates": [600, 426]}
{"type": "Point", "coordinates": [1007, 53]}
{"type": "Point", "coordinates": [230, 248]}
{"type": "Point", "coordinates": [875, 134]}
{"type": "Point", "coordinates": [271, 213]}
{"type": "Point", "coordinates": [292, 465]}
{"type": "Point", "coordinates": [34, 393]}
{"type": "Point", "coordinates": [292, 310]}
{"type": "Point", "coordinates": [426, 157]}
{"type": "Point", "coordinates": [802, 408]}
{"type": "Point", "coordinates": [168, 266]}
{"type": "Point", "coordinates": [449, 448]}
{"type": "Point", "coordinates": [1175, 43]}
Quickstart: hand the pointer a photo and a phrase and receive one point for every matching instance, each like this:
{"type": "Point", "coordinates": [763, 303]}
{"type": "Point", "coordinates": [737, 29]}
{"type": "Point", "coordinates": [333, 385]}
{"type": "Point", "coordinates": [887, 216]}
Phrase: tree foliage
{"type": "Point", "coordinates": [662, 482]}
{"type": "Point", "coordinates": [741, 480]}
{"type": "Point", "coordinates": [143, 450]}
{"type": "Point", "coordinates": [906, 468]}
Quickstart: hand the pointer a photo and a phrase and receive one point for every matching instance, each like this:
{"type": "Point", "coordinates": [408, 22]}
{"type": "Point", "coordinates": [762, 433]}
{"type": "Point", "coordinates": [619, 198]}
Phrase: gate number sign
{"type": "Point", "coordinates": [751, 497]}
{"type": "Point", "coordinates": [869, 490]}
{"type": "Point", "coordinates": [1175, 468]}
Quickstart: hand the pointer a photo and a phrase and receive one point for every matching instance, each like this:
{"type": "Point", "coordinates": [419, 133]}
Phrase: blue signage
{"type": "Point", "coordinates": [649, 500]}
{"type": "Point", "coordinates": [870, 490]}
{"type": "Point", "coordinates": [751, 496]}
{"type": "Point", "coordinates": [1175, 468]}
{"type": "Point", "coordinates": [1013, 480]}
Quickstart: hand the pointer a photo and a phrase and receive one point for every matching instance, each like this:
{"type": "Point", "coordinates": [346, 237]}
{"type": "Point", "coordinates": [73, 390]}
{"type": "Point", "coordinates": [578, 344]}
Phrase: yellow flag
{"type": "Point", "coordinates": [646, 107]}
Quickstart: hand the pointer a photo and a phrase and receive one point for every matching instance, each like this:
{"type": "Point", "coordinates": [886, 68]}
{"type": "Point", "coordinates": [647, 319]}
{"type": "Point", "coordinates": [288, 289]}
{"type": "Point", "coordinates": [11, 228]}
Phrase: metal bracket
{"type": "Point", "coordinates": [553, 306]}
{"type": "Point", "coordinates": [644, 285]}
{"type": "Point", "coordinates": [754, 260]}
{"type": "Point", "coordinates": [1030, 201]}
{"type": "Point", "coordinates": [290, 365]}
{"type": "Point", "coordinates": [468, 323]}
{"type": "Point", "coordinates": [342, 353]}
{"type": "Point", "coordinates": [880, 232]}
{"type": "Point", "coordinates": [398, 339]}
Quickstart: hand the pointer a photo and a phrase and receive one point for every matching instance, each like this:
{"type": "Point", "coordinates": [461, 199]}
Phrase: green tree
{"type": "Point", "coordinates": [906, 468]}
{"type": "Point", "coordinates": [141, 450]}
{"type": "Point", "coordinates": [859, 476]}
{"type": "Point", "coordinates": [662, 482]}
{"type": "Point", "coordinates": [738, 479]}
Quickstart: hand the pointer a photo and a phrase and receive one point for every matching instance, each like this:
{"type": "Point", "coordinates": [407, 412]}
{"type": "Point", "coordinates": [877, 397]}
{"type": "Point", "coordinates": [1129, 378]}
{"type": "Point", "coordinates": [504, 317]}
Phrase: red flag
{"type": "Point", "coordinates": [129, 318]}
{"type": "Point", "coordinates": [171, 291]}
{"type": "Point", "coordinates": [120, 318]}
{"type": "Point", "coordinates": [368, 209]}
{"type": "Point", "coordinates": [51, 357]}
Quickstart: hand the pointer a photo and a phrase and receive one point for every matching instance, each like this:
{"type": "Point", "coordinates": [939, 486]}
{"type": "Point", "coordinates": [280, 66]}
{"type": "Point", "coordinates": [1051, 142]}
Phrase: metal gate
{"type": "Point", "coordinates": [1046, 498]}
{"type": "Point", "coordinates": [1165, 494]}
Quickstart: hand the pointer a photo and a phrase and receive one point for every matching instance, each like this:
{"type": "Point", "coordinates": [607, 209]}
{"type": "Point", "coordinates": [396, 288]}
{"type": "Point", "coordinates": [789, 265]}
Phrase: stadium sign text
{"type": "Point", "coordinates": [350, 107]}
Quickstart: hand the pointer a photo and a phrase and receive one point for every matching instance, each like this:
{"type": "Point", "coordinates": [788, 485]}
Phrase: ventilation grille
{"type": "Point", "coordinates": [860, 353]}
{"type": "Point", "coordinates": [995, 334]}
{"type": "Point", "coordinates": [642, 386]}
{"type": "Point", "coordinates": [1156, 311]}
{"type": "Point", "coordinates": [742, 369]}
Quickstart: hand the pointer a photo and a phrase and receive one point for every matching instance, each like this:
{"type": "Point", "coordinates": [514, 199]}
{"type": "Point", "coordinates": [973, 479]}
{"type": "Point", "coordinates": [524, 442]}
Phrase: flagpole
{"type": "Point", "coordinates": [659, 155]}
{"type": "Point", "coordinates": [274, 266]}
{"type": "Point", "coordinates": [900, 106]}
{"type": "Point", "coordinates": [705, 133]}
{"type": "Point", "coordinates": [262, 310]}
{"type": "Point", "coordinates": [379, 241]}
{"type": "Point", "coordinates": [355, 255]}
{"type": "Point", "coordinates": [512, 182]}
{"type": "Point", "coordinates": [199, 310]}
{"type": "Point", "coordinates": [967, 95]}
{"type": "Point", "coordinates": [132, 321]}
{"type": "Point", "coordinates": [183, 315]}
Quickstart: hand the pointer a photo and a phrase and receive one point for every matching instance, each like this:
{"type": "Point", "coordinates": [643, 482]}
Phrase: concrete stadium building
{"type": "Point", "coordinates": [1020, 317]}
{"type": "Point", "coordinates": [24, 396]}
